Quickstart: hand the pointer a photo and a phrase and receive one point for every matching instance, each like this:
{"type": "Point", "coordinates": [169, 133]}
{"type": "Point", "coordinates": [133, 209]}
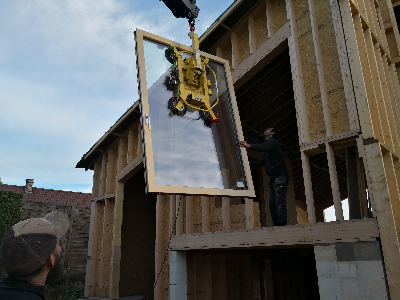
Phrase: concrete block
{"type": "Point", "coordinates": [333, 269]}
{"type": "Point", "coordinates": [323, 268]}
{"type": "Point", "coordinates": [370, 269]}
{"type": "Point", "coordinates": [377, 287]}
{"type": "Point", "coordinates": [178, 278]}
{"type": "Point", "coordinates": [326, 285]}
{"type": "Point", "coordinates": [351, 297]}
{"type": "Point", "coordinates": [325, 253]}
{"type": "Point", "coordinates": [374, 298]}
{"type": "Point", "coordinates": [364, 287]}
{"type": "Point", "coordinates": [327, 297]}
{"type": "Point", "coordinates": [347, 269]}
{"type": "Point", "coordinates": [177, 267]}
{"type": "Point", "coordinates": [178, 291]}
{"type": "Point", "coordinates": [345, 251]}
{"type": "Point", "coordinates": [350, 286]}
{"type": "Point", "coordinates": [367, 251]}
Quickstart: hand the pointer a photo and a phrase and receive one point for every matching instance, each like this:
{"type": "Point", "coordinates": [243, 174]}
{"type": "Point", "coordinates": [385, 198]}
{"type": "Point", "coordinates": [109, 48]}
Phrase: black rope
{"type": "Point", "coordinates": [169, 243]}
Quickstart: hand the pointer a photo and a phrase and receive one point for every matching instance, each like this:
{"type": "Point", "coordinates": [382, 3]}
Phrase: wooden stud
{"type": "Point", "coordinates": [132, 146]}
{"type": "Point", "coordinates": [205, 214]}
{"type": "Point", "coordinates": [297, 76]}
{"type": "Point", "coordinates": [96, 180]}
{"type": "Point", "coordinates": [179, 214]}
{"type": "Point", "coordinates": [249, 213]}
{"type": "Point", "coordinates": [218, 52]}
{"type": "Point", "coordinates": [139, 140]}
{"type": "Point", "coordinates": [117, 239]}
{"type": "Point", "coordinates": [345, 66]}
{"type": "Point", "coordinates": [270, 18]}
{"type": "Point", "coordinates": [252, 35]}
{"type": "Point", "coordinates": [189, 215]}
{"type": "Point", "coordinates": [105, 271]}
{"type": "Point", "coordinates": [103, 175]}
{"type": "Point", "coordinates": [320, 68]}
{"type": "Point", "coordinates": [308, 187]}
{"type": "Point", "coordinates": [111, 172]}
{"type": "Point", "coordinates": [122, 154]}
{"type": "Point", "coordinates": [235, 50]}
{"type": "Point", "coordinates": [160, 246]}
{"type": "Point", "coordinates": [354, 59]}
{"type": "Point", "coordinates": [337, 202]}
{"type": "Point", "coordinates": [172, 214]}
{"type": "Point", "coordinates": [226, 213]}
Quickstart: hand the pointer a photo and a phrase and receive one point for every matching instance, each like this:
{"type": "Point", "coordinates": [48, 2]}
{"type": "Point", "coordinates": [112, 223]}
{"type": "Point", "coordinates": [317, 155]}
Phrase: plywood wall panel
{"type": "Point", "coordinates": [242, 33]}
{"type": "Point", "coordinates": [260, 25]}
{"type": "Point", "coordinates": [279, 13]}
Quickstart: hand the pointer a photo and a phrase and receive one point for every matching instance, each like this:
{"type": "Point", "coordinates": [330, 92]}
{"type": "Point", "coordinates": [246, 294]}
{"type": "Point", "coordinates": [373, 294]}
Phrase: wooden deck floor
{"type": "Point", "coordinates": [316, 233]}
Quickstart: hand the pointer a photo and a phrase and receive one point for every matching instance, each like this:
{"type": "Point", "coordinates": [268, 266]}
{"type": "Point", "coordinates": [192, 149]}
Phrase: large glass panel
{"type": "Point", "coordinates": [185, 151]}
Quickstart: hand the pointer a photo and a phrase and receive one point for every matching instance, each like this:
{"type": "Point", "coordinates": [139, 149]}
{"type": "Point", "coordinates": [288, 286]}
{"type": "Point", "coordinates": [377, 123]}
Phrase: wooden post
{"type": "Point", "coordinates": [308, 187]}
{"type": "Point", "coordinates": [189, 215]}
{"type": "Point", "coordinates": [94, 248]}
{"type": "Point", "coordinates": [139, 140]}
{"type": "Point", "coordinates": [132, 146]}
{"type": "Point", "coordinates": [205, 214]}
{"type": "Point", "coordinates": [337, 202]}
{"type": "Point", "coordinates": [249, 213]}
{"type": "Point", "coordinates": [160, 247]}
{"type": "Point", "coordinates": [384, 213]}
{"type": "Point", "coordinates": [172, 214]}
{"type": "Point", "coordinates": [122, 154]}
{"type": "Point", "coordinates": [116, 242]}
{"type": "Point", "coordinates": [226, 213]}
{"type": "Point", "coordinates": [218, 52]}
{"type": "Point", "coordinates": [104, 280]}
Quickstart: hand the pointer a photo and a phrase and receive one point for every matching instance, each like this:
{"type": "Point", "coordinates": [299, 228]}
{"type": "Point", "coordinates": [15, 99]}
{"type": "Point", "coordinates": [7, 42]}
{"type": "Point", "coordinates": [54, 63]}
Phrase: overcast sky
{"type": "Point", "coordinates": [67, 73]}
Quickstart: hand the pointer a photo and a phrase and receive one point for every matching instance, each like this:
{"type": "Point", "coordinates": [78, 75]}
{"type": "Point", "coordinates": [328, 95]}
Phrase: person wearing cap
{"type": "Point", "coordinates": [30, 254]}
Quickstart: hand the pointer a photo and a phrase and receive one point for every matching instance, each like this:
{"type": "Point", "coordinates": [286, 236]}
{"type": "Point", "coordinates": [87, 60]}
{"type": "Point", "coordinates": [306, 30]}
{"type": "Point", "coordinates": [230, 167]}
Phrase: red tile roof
{"type": "Point", "coordinates": [51, 196]}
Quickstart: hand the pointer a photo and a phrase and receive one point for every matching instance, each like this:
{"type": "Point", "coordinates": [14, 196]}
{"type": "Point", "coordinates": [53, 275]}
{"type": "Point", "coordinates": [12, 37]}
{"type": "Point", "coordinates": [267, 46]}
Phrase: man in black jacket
{"type": "Point", "coordinates": [276, 169]}
{"type": "Point", "coordinates": [30, 254]}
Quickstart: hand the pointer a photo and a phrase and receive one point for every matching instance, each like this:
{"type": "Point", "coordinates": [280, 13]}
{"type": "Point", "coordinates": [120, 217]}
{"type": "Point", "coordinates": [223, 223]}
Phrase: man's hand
{"type": "Point", "coordinates": [244, 144]}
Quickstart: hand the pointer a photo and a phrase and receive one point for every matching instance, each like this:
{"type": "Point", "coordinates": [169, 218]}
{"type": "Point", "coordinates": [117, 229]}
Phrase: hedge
{"type": "Point", "coordinates": [10, 210]}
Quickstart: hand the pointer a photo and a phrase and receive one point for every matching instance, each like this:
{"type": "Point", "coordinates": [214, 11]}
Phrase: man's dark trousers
{"type": "Point", "coordinates": [277, 199]}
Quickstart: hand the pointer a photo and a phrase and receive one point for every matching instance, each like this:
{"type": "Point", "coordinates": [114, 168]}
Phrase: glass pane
{"type": "Point", "coordinates": [185, 151]}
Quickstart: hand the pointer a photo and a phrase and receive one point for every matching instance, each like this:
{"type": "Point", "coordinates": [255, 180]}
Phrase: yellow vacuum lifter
{"type": "Point", "coordinates": [188, 81]}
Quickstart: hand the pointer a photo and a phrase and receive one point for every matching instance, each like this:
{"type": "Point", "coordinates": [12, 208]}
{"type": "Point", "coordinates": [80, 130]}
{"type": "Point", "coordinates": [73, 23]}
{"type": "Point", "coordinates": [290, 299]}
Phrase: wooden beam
{"type": "Point", "coordinates": [308, 187]}
{"type": "Point", "coordinates": [261, 56]}
{"type": "Point", "coordinates": [337, 202]}
{"type": "Point", "coordinates": [172, 214]}
{"type": "Point", "coordinates": [189, 215]}
{"type": "Point", "coordinates": [301, 234]}
{"type": "Point", "coordinates": [131, 169]}
{"type": "Point", "coordinates": [132, 146]}
{"type": "Point", "coordinates": [226, 213]}
{"type": "Point", "coordinates": [249, 213]}
{"type": "Point", "coordinates": [205, 214]}
{"type": "Point", "coordinates": [252, 35]}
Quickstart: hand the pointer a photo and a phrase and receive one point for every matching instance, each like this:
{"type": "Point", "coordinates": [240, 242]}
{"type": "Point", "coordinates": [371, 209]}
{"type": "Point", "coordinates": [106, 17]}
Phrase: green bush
{"type": "Point", "coordinates": [10, 214]}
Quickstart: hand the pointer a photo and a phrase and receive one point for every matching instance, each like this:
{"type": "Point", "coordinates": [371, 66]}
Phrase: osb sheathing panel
{"type": "Point", "coordinates": [385, 13]}
{"type": "Point", "coordinates": [331, 62]}
{"type": "Point", "coordinates": [242, 33]}
{"type": "Point", "coordinates": [394, 51]}
{"type": "Point", "coordinates": [226, 49]}
{"type": "Point", "coordinates": [260, 25]}
{"type": "Point", "coordinates": [238, 218]}
{"type": "Point", "coordinates": [279, 13]}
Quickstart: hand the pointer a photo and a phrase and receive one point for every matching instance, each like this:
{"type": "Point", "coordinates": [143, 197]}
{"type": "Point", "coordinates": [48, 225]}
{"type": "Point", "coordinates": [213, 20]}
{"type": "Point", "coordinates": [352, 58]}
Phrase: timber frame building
{"type": "Point", "coordinates": [326, 73]}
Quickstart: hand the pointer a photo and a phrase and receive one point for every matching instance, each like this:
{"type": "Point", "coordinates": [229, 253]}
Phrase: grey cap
{"type": "Point", "coordinates": [28, 244]}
